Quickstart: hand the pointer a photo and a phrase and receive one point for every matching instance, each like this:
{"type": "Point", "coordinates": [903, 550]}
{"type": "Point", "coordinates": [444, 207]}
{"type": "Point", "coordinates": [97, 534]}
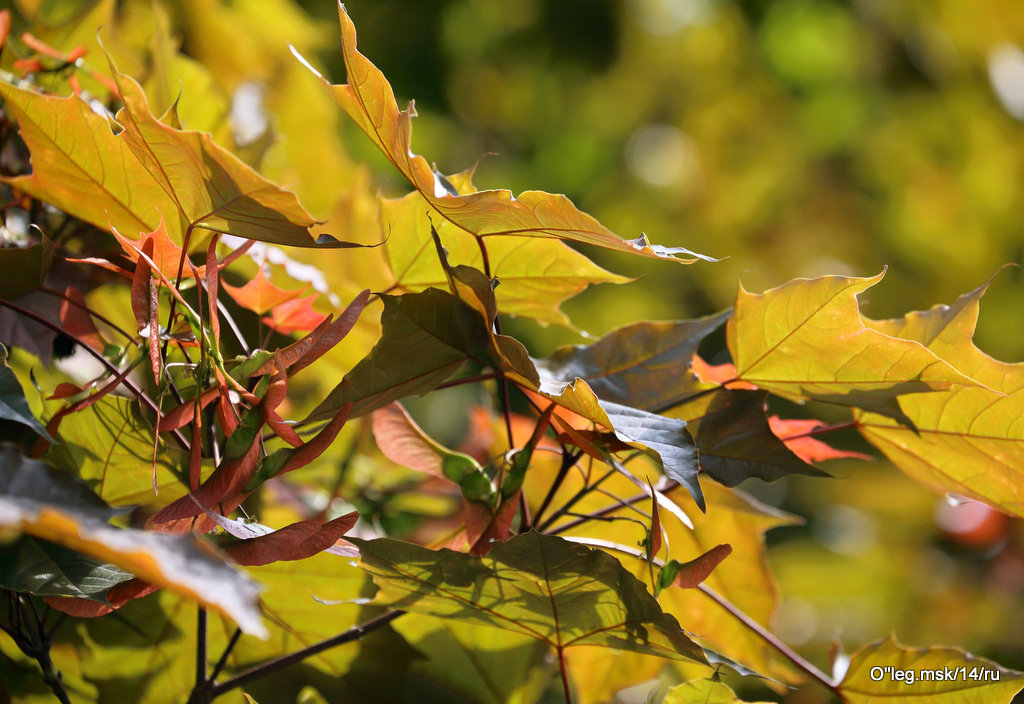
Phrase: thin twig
{"type": "Point", "coordinates": [770, 638]}
{"type": "Point", "coordinates": [354, 633]}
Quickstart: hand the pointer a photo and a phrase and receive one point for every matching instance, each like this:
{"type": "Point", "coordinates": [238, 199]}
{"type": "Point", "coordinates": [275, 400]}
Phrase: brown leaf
{"type": "Point", "coordinates": [294, 542]}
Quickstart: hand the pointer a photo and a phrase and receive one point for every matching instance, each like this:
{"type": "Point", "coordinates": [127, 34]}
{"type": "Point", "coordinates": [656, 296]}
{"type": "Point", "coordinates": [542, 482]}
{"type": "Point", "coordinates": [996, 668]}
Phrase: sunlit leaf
{"type": "Point", "coordinates": [81, 167]}
{"type": "Point", "coordinates": [462, 662]}
{"type": "Point", "coordinates": [210, 187]}
{"type": "Point", "coordinates": [806, 340]}
{"type": "Point", "coordinates": [536, 274]}
{"type": "Point", "coordinates": [369, 101]}
{"type": "Point", "coordinates": [744, 579]}
{"type": "Point", "coordinates": [54, 506]}
{"type": "Point", "coordinates": [552, 590]}
{"type": "Point", "coordinates": [968, 440]}
{"type": "Point", "coordinates": [166, 254]}
{"type": "Point", "coordinates": [259, 295]}
{"type": "Point", "coordinates": [109, 446]}
{"type": "Point", "coordinates": [888, 671]}
{"type": "Point", "coordinates": [295, 315]}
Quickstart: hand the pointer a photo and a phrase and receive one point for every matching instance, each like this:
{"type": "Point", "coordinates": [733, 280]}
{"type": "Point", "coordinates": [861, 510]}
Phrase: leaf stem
{"type": "Point", "coordinates": [200, 646]}
{"type": "Point", "coordinates": [565, 675]}
{"type": "Point", "coordinates": [822, 430]}
{"type": "Point", "coordinates": [224, 656]}
{"type": "Point", "coordinates": [770, 638]}
{"type": "Point", "coordinates": [112, 368]}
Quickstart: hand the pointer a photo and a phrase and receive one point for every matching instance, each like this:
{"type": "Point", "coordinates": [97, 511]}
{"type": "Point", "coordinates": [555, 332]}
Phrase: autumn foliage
{"type": "Point", "coordinates": [241, 448]}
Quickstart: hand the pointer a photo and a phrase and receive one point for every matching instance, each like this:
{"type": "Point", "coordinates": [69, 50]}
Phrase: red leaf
{"type": "Point", "coordinates": [166, 254]}
{"type": "Point", "coordinates": [77, 322]}
{"type": "Point", "coordinates": [724, 374]}
{"type": "Point", "coordinates": [295, 316]}
{"type": "Point", "coordinates": [259, 295]}
{"type": "Point", "coordinates": [295, 542]}
{"type": "Point", "coordinates": [225, 484]}
{"type": "Point", "coordinates": [140, 288]}
{"type": "Point", "coordinates": [335, 333]}
{"type": "Point", "coordinates": [402, 441]}
{"type": "Point", "coordinates": [794, 432]}
{"type": "Point", "coordinates": [316, 447]}
{"type": "Point", "coordinates": [482, 526]}
{"type": "Point", "coordinates": [183, 414]}
{"type": "Point", "coordinates": [696, 571]}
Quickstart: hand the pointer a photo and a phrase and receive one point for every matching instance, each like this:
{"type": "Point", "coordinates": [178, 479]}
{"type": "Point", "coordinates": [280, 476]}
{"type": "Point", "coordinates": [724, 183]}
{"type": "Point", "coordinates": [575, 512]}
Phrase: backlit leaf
{"type": "Point", "coordinates": [702, 692]}
{"type": "Point", "coordinates": [210, 187]}
{"type": "Point", "coordinates": [888, 671]}
{"type": "Point", "coordinates": [369, 101]}
{"type": "Point", "coordinates": [542, 586]}
{"type": "Point", "coordinates": [535, 274]}
{"type": "Point", "coordinates": [81, 167]}
{"type": "Point", "coordinates": [806, 340]}
{"type": "Point", "coordinates": [295, 315]}
{"type": "Point", "coordinates": [969, 440]}
{"type": "Point", "coordinates": [259, 295]}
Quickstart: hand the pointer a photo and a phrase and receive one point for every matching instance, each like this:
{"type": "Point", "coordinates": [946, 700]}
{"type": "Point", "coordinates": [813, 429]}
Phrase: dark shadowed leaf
{"type": "Point", "coordinates": [425, 338]}
{"type": "Point", "coordinates": [55, 506]}
{"type": "Point", "coordinates": [47, 569]}
{"type": "Point", "coordinates": [733, 437]}
{"type": "Point", "coordinates": [25, 268]}
{"type": "Point", "coordinates": [13, 404]}
{"type": "Point", "coordinates": [644, 365]}
{"type": "Point", "coordinates": [550, 589]}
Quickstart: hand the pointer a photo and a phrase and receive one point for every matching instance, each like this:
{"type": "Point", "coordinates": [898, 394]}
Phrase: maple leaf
{"type": "Point", "coordinates": [259, 295]}
{"type": "Point", "coordinates": [968, 440]}
{"type": "Point", "coordinates": [370, 102]}
{"type": "Point", "coordinates": [295, 315]}
{"type": "Point", "coordinates": [796, 434]}
{"type": "Point", "coordinates": [806, 340]}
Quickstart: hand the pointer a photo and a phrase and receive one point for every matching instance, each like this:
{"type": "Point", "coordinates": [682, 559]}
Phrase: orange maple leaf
{"type": "Point", "coordinates": [259, 295]}
{"type": "Point", "coordinates": [296, 315]}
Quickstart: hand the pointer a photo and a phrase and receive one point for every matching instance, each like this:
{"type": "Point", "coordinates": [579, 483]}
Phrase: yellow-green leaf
{"type": "Point", "coordinates": [888, 671]}
{"type": "Point", "coordinates": [968, 440]}
{"type": "Point", "coordinates": [81, 167]}
{"type": "Point", "coordinates": [536, 275]}
{"type": "Point", "coordinates": [702, 692]}
{"type": "Point", "coordinates": [369, 101]}
{"type": "Point", "coordinates": [541, 586]}
{"type": "Point", "coordinates": [211, 188]}
{"type": "Point", "coordinates": [806, 340]}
